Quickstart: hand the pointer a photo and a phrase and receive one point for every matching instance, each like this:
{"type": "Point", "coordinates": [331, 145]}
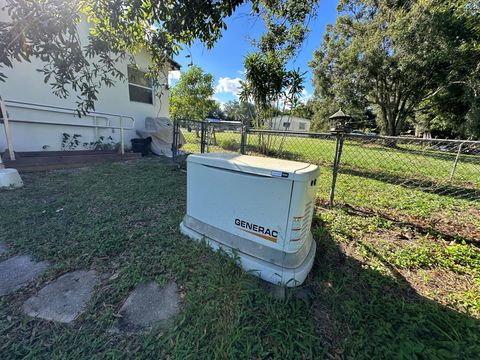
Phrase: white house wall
{"type": "Point", "coordinates": [276, 123]}
{"type": "Point", "coordinates": [25, 84]}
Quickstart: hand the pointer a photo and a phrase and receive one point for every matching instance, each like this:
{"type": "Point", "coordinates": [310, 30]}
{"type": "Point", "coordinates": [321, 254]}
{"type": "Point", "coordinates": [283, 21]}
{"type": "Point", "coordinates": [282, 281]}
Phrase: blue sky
{"type": "Point", "coordinates": [225, 60]}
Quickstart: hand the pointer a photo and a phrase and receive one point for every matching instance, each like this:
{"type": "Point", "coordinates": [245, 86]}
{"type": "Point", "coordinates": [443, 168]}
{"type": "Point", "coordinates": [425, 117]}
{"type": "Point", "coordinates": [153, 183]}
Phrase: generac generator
{"type": "Point", "coordinates": [260, 207]}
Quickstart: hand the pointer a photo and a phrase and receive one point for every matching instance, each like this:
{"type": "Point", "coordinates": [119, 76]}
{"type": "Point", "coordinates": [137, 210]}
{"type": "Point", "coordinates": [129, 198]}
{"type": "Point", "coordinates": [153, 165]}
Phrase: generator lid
{"type": "Point", "coordinates": [263, 166]}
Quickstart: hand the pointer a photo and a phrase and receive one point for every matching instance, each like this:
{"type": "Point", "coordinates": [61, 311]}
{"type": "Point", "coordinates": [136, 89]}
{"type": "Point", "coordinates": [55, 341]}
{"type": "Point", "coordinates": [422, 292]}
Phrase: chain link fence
{"type": "Point", "coordinates": [355, 168]}
{"type": "Point", "coordinates": [438, 166]}
{"type": "Point", "coordinates": [192, 136]}
{"type": "Point", "coordinates": [188, 137]}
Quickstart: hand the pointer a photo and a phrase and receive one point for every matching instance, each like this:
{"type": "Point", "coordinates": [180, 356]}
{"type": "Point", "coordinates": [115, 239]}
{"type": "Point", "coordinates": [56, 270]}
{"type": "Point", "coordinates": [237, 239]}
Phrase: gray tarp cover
{"type": "Point", "coordinates": [160, 129]}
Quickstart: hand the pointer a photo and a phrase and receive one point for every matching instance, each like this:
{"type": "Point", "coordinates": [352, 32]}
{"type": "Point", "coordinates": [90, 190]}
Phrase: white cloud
{"type": "Point", "coordinates": [173, 76]}
{"type": "Point", "coordinates": [228, 85]}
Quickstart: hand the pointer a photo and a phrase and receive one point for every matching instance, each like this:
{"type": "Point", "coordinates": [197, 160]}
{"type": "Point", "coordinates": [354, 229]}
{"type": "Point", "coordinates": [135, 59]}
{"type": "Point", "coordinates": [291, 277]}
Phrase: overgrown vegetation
{"type": "Point", "coordinates": [73, 141]}
{"type": "Point", "coordinates": [380, 288]}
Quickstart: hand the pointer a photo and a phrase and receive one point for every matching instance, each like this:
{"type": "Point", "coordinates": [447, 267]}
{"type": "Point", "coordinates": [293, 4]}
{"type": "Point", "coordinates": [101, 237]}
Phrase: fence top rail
{"type": "Point", "coordinates": [211, 123]}
{"type": "Point", "coordinates": [287, 132]}
{"type": "Point", "coordinates": [413, 139]}
{"type": "Point", "coordinates": [223, 122]}
{"type": "Point", "coordinates": [361, 136]}
{"type": "Point", "coordinates": [190, 121]}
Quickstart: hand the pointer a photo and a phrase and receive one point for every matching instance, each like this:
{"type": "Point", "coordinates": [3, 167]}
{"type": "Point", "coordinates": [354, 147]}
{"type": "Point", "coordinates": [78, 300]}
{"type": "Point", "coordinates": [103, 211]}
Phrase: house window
{"type": "Point", "coordinates": [286, 125]}
{"type": "Point", "coordinates": [301, 126]}
{"type": "Point", "coordinates": [140, 88]}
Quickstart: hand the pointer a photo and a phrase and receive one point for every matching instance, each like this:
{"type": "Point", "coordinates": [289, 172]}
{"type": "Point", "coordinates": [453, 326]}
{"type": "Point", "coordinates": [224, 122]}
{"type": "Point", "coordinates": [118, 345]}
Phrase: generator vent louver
{"type": "Point", "coordinates": [307, 219]}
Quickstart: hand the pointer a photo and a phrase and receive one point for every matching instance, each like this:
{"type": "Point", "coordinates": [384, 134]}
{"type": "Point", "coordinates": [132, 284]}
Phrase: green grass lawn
{"type": "Point", "coordinates": [397, 279]}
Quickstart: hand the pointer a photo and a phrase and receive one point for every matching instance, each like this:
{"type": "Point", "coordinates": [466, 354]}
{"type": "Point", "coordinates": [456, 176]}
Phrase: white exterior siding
{"type": "Point", "coordinates": [292, 123]}
{"type": "Point", "coordinates": [25, 84]}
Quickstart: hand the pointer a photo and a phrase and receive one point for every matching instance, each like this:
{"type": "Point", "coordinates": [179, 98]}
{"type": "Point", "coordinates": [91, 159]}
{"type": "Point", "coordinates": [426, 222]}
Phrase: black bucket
{"type": "Point", "coordinates": [141, 146]}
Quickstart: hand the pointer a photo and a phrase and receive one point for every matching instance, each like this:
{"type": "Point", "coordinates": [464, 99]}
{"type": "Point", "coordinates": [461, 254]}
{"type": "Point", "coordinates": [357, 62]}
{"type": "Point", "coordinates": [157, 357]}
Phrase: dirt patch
{"type": "Point", "coordinates": [445, 287]}
{"type": "Point", "coordinates": [451, 226]}
{"type": "Point", "coordinates": [464, 224]}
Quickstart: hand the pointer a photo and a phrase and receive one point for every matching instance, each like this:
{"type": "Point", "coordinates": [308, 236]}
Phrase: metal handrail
{"type": "Point", "coordinates": [72, 111]}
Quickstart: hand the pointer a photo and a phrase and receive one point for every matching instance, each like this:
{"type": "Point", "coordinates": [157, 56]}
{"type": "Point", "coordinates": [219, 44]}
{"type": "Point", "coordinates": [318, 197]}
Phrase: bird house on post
{"type": "Point", "coordinates": [340, 122]}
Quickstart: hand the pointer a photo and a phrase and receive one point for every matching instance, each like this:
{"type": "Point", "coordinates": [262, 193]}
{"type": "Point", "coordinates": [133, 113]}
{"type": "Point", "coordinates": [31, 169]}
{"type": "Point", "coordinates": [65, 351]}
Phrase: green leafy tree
{"type": "Point", "coordinates": [453, 113]}
{"type": "Point", "coordinates": [240, 111]}
{"type": "Point", "coordinates": [454, 110]}
{"type": "Point", "coordinates": [394, 55]}
{"type": "Point", "coordinates": [286, 22]}
{"type": "Point", "coordinates": [191, 97]}
{"type": "Point", "coordinates": [47, 30]}
{"type": "Point", "coordinates": [216, 112]}
{"type": "Point", "coordinates": [269, 85]}
{"type": "Point", "coordinates": [303, 110]}
{"type": "Point", "coordinates": [272, 88]}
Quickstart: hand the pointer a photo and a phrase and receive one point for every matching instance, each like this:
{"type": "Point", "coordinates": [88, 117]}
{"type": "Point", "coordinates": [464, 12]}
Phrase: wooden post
{"type": "Point", "coordinates": [6, 127]}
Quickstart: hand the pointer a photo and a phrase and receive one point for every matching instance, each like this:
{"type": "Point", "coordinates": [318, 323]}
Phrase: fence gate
{"type": "Point", "coordinates": [192, 136]}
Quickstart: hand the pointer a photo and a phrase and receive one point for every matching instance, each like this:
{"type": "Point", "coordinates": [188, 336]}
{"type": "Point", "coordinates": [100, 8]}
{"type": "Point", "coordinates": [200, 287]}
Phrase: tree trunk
{"type": "Point", "coordinates": [388, 122]}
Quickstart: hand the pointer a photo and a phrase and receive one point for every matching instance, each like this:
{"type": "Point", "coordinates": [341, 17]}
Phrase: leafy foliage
{"type": "Point", "coordinates": [240, 111]}
{"type": "Point", "coordinates": [216, 112]}
{"type": "Point", "coordinates": [395, 55]}
{"type": "Point", "coordinates": [287, 25]}
{"type": "Point", "coordinates": [192, 96]}
{"type": "Point", "coordinates": [119, 29]}
{"type": "Point", "coordinates": [70, 142]}
{"type": "Point", "coordinates": [303, 110]}
{"type": "Point", "coordinates": [269, 85]}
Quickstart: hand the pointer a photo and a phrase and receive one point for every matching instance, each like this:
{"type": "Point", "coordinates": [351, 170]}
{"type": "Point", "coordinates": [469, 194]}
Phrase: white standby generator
{"type": "Point", "coordinates": [259, 207]}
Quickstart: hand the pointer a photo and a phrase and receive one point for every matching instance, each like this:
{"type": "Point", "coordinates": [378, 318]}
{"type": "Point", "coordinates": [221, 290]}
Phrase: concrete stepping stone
{"type": "Point", "coordinates": [147, 306]}
{"type": "Point", "coordinates": [64, 299]}
{"type": "Point", "coordinates": [18, 271]}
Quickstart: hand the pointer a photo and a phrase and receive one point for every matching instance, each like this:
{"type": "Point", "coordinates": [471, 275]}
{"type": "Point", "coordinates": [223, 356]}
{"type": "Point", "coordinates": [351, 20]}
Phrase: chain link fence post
{"type": "Point", "coordinates": [455, 163]}
{"type": "Point", "coordinates": [336, 165]}
{"type": "Point", "coordinates": [243, 140]}
{"type": "Point", "coordinates": [203, 136]}
{"type": "Point", "coordinates": [371, 160]}
{"type": "Point", "coordinates": [176, 129]}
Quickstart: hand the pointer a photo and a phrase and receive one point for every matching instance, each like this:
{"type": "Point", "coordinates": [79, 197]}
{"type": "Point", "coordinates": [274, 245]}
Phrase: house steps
{"type": "Point", "coordinates": [48, 160]}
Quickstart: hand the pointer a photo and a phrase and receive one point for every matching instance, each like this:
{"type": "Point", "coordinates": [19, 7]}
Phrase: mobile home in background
{"type": "Point", "coordinates": [289, 123]}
